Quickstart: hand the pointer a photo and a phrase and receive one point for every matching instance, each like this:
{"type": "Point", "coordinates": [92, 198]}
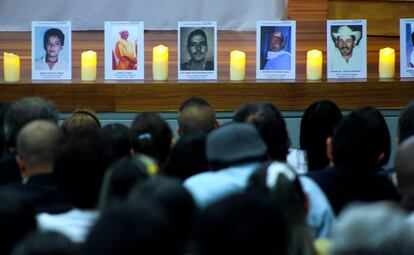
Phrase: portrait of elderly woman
{"type": "Point", "coordinates": [345, 49]}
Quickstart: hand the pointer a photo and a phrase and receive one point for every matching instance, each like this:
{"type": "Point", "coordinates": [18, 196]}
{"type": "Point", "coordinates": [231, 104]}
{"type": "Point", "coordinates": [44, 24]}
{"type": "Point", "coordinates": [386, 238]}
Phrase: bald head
{"type": "Point", "coordinates": [404, 165]}
{"type": "Point", "coordinates": [196, 114]}
{"type": "Point", "coordinates": [38, 142]}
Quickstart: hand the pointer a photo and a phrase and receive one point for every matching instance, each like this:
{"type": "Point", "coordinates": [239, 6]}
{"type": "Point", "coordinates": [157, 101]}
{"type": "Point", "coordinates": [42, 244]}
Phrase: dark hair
{"type": "Point", "coordinates": [151, 135]}
{"type": "Point", "coordinates": [196, 114]}
{"type": "Point", "coordinates": [242, 224]}
{"type": "Point", "coordinates": [120, 178]}
{"type": "Point", "coordinates": [80, 165]}
{"type": "Point", "coordinates": [3, 109]}
{"type": "Point", "coordinates": [53, 32]}
{"type": "Point", "coordinates": [357, 141]}
{"type": "Point", "coordinates": [385, 139]}
{"type": "Point", "coordinates": [270, 124]}
{"type": "Point", "coordinates": [194, 33]}
{"type": "Point", "coordinates": [175, 201]}
{"type": "Point", "coordinates": [317, 124]}
{"type": "Point", "coordinates": [17, 219]}
{"type": "Point", "coordinates": [118, 135]}
{"type": "Point", "coordinates": [406, 122]}
{"type": "Point", "coordinates": [23, 111]}
{"type": "Point", "coordinates": [45, 243]}
{"type": "Point", "coordinates": [188, 157]}
{"type": "Point", "coordinates": [130, 230]}
{"type": "Point", "coordinates": [287, 193]}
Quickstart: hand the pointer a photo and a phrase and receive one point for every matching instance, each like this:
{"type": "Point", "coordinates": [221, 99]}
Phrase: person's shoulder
{"type": "Point", "coordinates": [185, 66]}
{"type": "Point", "coordinates": [209, 65]}
{"type": "Point", "coordinates": [40, 60]}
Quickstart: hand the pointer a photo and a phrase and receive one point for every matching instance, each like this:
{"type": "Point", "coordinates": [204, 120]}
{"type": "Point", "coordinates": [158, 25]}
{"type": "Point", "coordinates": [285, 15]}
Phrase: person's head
{"type": "Point", "coordinates": [277, 41]}
{"type": "Point", "coordinates": [404, 166]}
{"type": "Point", "coordinates": [188, 157]}
{"type": "Point", "coordinates": [17, 219]}
{"type": "Point", "coordinates": [196, 114]}
{"type": "Point", "coordinates": [53, 42]}
{"type": "Point", "coordinates": [80, 165]}
{"type": "Point", "coordinates": [151, 135]}
{"type": "Point", "coordinates": [37, 144]}
{"type": "Point", "coordinates": [317, 124]}
{"type": "Point", "coordinates": [385, 137]}
{"type": "Point", "coordinates": [371, 229]}
{"type": "Point", "coordinates": [45, 243]}
{"type": "Point", "coordinates": [197, 45]}
{"type": "Point", "coordinates": [270, 124]}
{"type": "Point", "coordinates": [357, 142]}
{"type": "Point", "coordinates": [122, 176]}
{"type": "Point", "coordinates": [3, 108]}
{"type": "Point", "coordinates": [23, 111]}
{"type": "Point", "coordinates": [233, 144]}
{"type": "Point", "coordinates": [81, 117]}
{"type": "Point", "coordinates": [118, 135]}
{"type": "Point", "coordinates": [131, 230]}
{"type": "Point", "coordinates": [124, 34]}
{"type": "Point", "coordinates": [278, 181]}
{"type": "Point", "coordinates": [175, 201]}
{"type": "Point", "coordinates": [406, 122]}
{"type": "Point", "coordinates": [242, 224]}
{"type": "Point", "coordinates": [345, 40]}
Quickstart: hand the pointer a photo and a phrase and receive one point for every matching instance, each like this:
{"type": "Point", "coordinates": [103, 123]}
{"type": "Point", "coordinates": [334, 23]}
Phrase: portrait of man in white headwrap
{"type": "Point", "coordinates": [346, 53]}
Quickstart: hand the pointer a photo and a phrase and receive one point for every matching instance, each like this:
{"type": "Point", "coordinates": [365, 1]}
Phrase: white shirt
{"type": "Point", "coordinates": [297, 159]}
{"type": "Point", "coordinates": [275, 54]}
{"type": "Point", "coordinates": [60, 65]}
{"type": "Point", "coordinates": [355, 62]}
{"type": "Point", "coordinates": [74, 224]}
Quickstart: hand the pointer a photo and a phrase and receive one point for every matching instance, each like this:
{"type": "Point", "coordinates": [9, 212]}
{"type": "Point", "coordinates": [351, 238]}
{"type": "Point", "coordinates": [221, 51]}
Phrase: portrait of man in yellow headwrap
{"type": "Point", "coordinates": [125, 52]}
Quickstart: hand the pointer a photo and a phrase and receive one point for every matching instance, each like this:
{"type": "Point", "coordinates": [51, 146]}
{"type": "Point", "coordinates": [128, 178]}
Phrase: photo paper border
{"type": "Point", "coordinates": [276, 74]}
{"type": "Point", "coordinates": [197, 74]}
{"type": "Point", "coordinates": [138, 74]}
{"type": "Point", "coordinates": [50, 74]}
{"type": "Point", "coordinates": [347, 74]}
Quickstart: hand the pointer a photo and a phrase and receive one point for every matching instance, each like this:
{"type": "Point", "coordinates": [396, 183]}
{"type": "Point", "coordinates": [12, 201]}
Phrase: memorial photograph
{"type": "Point", "coordinates": [347, 51]}
{"type": "Point", "coordinates": [51, 50]}
{"type": "Point", "coordinates": [197, 50]}
{"type": "Point", "coordinates": [276, 46]}
{"type": "Point", "coordinates": [124, 44]}
{"type": "Point", "coordinates": [406, 47]}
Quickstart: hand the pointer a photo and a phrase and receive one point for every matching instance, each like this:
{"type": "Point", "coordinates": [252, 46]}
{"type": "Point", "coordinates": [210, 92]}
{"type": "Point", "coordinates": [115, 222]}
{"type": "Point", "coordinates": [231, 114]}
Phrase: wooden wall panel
{"type": "Point", "coordinates": [383, 17]}
{"type": "Point", "coordinates": [147, 95]}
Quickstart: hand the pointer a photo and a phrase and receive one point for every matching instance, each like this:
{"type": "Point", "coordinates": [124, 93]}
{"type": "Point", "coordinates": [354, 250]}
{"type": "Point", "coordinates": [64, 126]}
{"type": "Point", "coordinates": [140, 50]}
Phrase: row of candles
{"type": "Point", "coordinates": [237, 65]}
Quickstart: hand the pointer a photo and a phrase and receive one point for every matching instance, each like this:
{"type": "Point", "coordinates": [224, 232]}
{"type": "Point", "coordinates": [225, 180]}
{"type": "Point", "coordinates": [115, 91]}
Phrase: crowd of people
{"type": "Point", "coordinates": [220, 188]}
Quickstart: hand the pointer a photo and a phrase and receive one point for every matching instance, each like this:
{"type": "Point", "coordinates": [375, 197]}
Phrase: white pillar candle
{"type": "Point", "coordinates": [386, 66]}
{"type": "Point", "coordinates": [88, 66]}
{"type": "Point", "coordinates": [237, 65]}
{"type": "Point", "coordinates": [11, 66]}
{"type": "Point", "coordinates": [314, 65]}
{"type": "Point", "coordinates": [160, 63]}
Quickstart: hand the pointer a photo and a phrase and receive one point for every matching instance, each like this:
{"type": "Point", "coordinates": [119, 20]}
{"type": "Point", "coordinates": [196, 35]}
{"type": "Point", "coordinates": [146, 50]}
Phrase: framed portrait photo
{"type": "Point", "coordinates": [347, 49]}
{"type": "Point", "coordinates": [51, 50]}
{"type": "Point", "coordinates": [124, 50]}
{"type": "Point", "coordinates": [276, 50]}
{"type": "Point", "coordinates": [197, 50]}
{"type": "Point", "coordinates": [406, 48]}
